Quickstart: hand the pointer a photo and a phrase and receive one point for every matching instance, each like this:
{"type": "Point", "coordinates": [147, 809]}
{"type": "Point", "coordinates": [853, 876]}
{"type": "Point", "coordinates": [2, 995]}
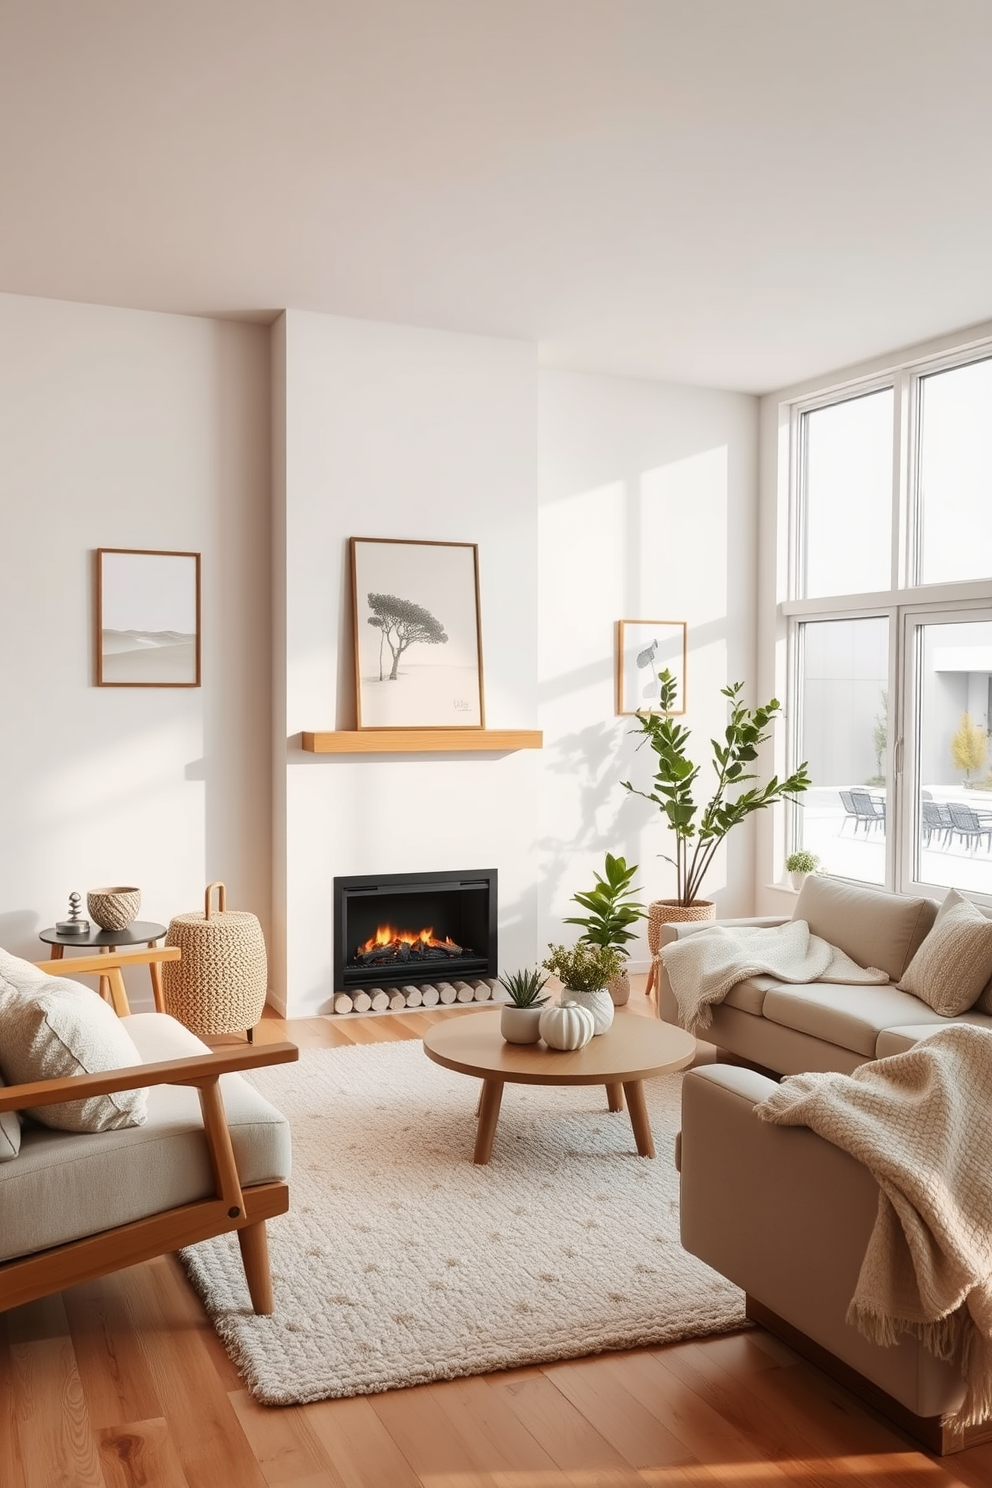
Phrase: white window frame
{"type": "Point", "coordinates": [905, 603]}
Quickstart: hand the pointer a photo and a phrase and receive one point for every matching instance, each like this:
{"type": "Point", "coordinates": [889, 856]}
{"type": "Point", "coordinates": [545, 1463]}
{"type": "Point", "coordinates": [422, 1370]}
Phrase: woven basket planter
{"type": "Point", "coordinates": [219, 985]}
{"type": "Point", "coordinates": [670, 912]}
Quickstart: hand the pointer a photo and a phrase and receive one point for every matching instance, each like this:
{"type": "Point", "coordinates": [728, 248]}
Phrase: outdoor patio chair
{"type": "Point", "coordinates": [936, 818]}
{"type": "Point", "coordinates": [969, 825]}
{"type": "Point", "coordinates": [869, 810]}
{"type": "Point", "coordinates": [850, 810]}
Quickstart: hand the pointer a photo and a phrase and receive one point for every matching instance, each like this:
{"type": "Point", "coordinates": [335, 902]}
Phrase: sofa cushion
{"type": "Point", "coordinates": [952, 966]}
{"type": "Point", "coordinates": [51, 1028]}
{"type": "Point", "coordinates": [897, 1040]}
{"type": "Point", "coordinates": [64, 1186]}
{"type": "Point", "coordinates": [852, 1017]}
{"type": "Point", "coordinates": [873, 927]}
{"type": "Point", "coordinates": [10, 1134]}
{"type": "Point", "coordinates": [749, 995]}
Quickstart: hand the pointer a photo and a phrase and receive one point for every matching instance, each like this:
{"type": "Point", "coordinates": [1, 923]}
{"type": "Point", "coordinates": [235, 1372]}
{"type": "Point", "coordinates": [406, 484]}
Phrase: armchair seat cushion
{"type": "Point", "coordinates": [64, 1186]}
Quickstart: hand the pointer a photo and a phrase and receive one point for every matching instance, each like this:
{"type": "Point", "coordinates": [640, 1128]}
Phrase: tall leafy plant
{"type": "Point", "coordinates": [700, 828]}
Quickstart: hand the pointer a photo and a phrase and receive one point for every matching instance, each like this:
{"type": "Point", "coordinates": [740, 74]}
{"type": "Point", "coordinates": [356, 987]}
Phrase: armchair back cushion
{"type": "Point", "coordinates": [50, 1028]}
{"type": "Point", "coordinates": [873, 927]}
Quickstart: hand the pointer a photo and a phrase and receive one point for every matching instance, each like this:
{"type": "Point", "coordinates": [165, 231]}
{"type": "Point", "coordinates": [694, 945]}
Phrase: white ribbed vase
{"type": "Point", "coordinates": [599, 1003]}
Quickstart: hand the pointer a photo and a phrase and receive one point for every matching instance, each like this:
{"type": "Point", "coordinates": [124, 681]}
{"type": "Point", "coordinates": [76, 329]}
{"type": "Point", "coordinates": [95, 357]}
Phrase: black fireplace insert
{"type": "Point", "coordinates": [399, 929]}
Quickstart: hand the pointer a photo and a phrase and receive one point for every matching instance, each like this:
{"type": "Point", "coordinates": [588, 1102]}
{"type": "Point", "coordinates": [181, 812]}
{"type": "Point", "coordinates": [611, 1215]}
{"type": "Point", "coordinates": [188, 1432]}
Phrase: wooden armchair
{"type": "Point", "coordinates": [219, 1170]}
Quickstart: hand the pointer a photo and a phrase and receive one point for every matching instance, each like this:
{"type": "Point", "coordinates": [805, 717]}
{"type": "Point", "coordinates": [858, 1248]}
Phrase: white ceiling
{"type": "Point", "coordinates": [735, 193]}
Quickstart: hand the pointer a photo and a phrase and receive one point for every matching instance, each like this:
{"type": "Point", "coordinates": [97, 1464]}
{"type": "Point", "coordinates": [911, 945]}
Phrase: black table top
{"type": "Point", "coordinates": [139, 932]}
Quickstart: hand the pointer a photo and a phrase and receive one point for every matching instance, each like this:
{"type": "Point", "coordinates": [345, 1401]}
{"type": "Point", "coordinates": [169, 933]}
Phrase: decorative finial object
{"type": "Point", "coordinates": [73, 925]}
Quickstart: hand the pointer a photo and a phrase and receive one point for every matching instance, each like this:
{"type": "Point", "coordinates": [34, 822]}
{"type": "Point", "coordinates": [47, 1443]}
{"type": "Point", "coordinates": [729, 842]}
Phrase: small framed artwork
{"type": "Point", "coordinates": [645, 648]}
{"type": "Point", "coordinates": [418, 635]}
{"type": "Point", "coordinates": [147, 618]}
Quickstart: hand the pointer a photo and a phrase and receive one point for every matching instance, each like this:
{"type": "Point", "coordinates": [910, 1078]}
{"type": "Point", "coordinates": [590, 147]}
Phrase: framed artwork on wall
{"type": "Point", "coordinates": [645, 648]}
{"type": "Point", "coordinates": [147, 618]}
{"type": "Point", "coordinates": [418, 634]}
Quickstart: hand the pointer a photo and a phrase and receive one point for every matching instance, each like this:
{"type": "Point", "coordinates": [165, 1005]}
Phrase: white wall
{"type": "Point", "coordinates": [392, 431]}
{"type": "Point", "coordinates": [127, 429]}
{"type": "Point", "coordinates": [648, 504]}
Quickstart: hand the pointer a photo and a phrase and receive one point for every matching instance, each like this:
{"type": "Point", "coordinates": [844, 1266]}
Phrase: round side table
{"type": "Point", "coordinates": [139, 932]}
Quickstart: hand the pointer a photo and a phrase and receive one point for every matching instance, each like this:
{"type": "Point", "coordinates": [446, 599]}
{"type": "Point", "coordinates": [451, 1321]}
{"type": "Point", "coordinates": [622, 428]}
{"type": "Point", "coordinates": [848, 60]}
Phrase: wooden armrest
{"type": "Point", "coordinates": [195, 1069]}
{"type": "Point", "coordinates": [99, 965]}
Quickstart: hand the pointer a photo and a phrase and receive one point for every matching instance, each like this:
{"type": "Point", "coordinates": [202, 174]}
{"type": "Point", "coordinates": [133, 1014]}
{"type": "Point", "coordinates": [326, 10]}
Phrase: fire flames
{"type": "Point", "coordinates": [388, 938]}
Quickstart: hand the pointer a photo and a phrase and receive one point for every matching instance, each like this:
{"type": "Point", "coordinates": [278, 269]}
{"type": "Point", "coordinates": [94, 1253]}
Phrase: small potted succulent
{"type": "Point", "coordinates": [519, 1018]}
{"type": "Point", "coordinates": [799, 864]}
{"type": "Point", "coordinates": [611, 912]}
{"type": "Point", "coordinates": [584, 971]}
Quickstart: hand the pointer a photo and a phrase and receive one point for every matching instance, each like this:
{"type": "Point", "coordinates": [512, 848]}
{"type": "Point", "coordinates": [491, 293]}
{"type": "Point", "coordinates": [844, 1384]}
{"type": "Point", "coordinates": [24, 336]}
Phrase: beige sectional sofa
{"type": "Point", "coordinates": [778, 1210]}
{"type": "Point", "coordinates": [790, 1028]}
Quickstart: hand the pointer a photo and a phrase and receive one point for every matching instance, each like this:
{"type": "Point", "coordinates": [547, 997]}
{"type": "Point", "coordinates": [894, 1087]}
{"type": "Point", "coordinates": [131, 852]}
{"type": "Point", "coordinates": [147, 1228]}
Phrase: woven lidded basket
{"type": "Point", "coordinates": [219, 985]}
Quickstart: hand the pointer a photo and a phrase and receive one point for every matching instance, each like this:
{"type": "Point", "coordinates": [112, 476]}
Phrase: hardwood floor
{"type": "Point", "coordinates": [122, 1382]}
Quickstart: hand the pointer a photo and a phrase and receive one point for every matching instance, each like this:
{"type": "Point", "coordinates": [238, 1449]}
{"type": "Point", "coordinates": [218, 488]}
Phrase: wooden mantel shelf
{"type": "Point", "coordinates": [422, 741]}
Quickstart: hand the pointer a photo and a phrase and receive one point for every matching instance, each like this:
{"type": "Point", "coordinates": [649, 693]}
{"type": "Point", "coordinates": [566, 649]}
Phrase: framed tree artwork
{"type": "Point", "coordinates": [147, 618]}
{"type": "Point", "coordinates": [418, 636]}
{"type": "Point", "coordinates": [645, 648]}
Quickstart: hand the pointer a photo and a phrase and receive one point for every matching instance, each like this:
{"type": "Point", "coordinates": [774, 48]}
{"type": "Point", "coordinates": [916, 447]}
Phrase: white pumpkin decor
{"type": "Point", "coordinates": [567, 1026]}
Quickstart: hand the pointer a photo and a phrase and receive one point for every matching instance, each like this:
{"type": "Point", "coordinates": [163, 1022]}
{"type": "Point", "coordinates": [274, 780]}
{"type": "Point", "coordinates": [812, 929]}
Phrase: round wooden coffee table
{"type": "Point", "coordinates": [632, 1050]}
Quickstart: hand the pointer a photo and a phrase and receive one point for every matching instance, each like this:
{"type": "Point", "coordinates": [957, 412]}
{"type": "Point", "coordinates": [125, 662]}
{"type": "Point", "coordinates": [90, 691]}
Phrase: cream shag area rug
{"type": "Point", "coordinates": [400, 1261]}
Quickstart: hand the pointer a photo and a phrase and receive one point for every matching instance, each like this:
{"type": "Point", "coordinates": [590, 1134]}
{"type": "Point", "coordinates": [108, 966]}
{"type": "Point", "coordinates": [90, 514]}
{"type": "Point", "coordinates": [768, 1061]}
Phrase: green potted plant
{"type": "Point", "coordinates": [519, 1018]}
{"type": "Point", "coordinates": [799, 864]}
{"type": "Point", "coordinates": [611, 912]}
{"type": "Point", "coordinates": [700, 828]}
{"type": "Point", "coordinates": [584, 971]}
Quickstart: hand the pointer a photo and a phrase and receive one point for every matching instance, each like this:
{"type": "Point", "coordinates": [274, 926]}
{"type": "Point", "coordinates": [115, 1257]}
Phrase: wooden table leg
{"type": "Point", "coordinates": [155, 972]}
{"type": "Point", "coordinates": [492, 1095]}
{"type": "Point", "coordinates": [652, 976]}
{"type": "Point", "coordinates": [637, 1109]}
{"type": "Point", "coordinates": [57, 953]}
{"type": "Point", "coordinates": [614, 1097]}
{"type": "Point", "coordinates": [105, 981]}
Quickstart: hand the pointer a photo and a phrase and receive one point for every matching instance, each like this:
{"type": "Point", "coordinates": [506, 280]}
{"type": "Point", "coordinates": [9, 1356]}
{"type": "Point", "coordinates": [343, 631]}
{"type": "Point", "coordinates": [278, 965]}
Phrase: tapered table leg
{"type": "Point", "coordinates": [637, 1109]}
{"type": "Point", "coordinates": [614, 1097]}
{"type": "Point", "coordinates": [492, 1095]}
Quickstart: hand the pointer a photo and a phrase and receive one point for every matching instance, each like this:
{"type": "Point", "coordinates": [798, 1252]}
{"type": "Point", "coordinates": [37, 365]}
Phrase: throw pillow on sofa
{"type": "Point", "coordinates": [51, 1028]}
{"type": "Point", "coordinates": [953, 964]}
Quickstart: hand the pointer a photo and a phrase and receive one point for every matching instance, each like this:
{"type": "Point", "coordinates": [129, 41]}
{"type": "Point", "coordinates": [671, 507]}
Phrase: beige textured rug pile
{"type": "Point", "coordinates": [401, 1261]}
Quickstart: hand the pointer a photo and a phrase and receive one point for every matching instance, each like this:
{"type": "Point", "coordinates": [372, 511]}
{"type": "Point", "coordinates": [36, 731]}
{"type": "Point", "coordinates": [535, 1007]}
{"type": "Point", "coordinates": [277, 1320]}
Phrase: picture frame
{"type": "Point", "coordinates": [147, 618]}
{"type": "Point", "coordinates": [645, 648]}
{"type": "Point", "coordinates": [418, 634]}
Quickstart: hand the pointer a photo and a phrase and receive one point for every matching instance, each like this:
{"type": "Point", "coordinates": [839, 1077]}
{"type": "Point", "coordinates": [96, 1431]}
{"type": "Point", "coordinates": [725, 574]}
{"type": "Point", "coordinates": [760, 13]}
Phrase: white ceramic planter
{"type": "Point", "coordinates": [520, 1025]}
{"type": "Point", "coordinates": [599, 1003]}
{"type": "Point", "coordinates": [798, 879]}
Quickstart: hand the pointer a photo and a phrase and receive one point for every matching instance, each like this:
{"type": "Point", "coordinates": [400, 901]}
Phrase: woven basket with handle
{"type": "Point", "coordinates": [219, 985]}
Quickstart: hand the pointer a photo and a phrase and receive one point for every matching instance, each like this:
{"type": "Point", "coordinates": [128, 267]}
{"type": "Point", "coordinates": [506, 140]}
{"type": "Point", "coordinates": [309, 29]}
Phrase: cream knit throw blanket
{"type": "Point", "coordinates": [921, 1122]}
{"type": "Point", "coordinates": [706, 964]}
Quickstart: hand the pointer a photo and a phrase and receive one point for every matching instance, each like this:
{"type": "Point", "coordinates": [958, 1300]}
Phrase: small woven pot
{"type": "Point", "coordinates": [619, 988]}
{"type": "Point", "coordinates": [219, 985]}
{"type": "Point", "coordinates": [113, 909]}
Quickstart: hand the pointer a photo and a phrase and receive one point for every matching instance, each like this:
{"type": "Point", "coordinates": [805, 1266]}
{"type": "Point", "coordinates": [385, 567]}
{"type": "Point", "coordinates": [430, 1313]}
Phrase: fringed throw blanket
{"type": "Point", "coordinates": [705, 965]}
{"type": "Point", "coordinates": [921, 1122]}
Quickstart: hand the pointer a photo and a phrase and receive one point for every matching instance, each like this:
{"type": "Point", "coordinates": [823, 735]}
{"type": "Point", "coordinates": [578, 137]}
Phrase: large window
{"type": "Point", "coordinates": [890, 627]}
{"type": "Point", "coordinates": [847, 514]}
